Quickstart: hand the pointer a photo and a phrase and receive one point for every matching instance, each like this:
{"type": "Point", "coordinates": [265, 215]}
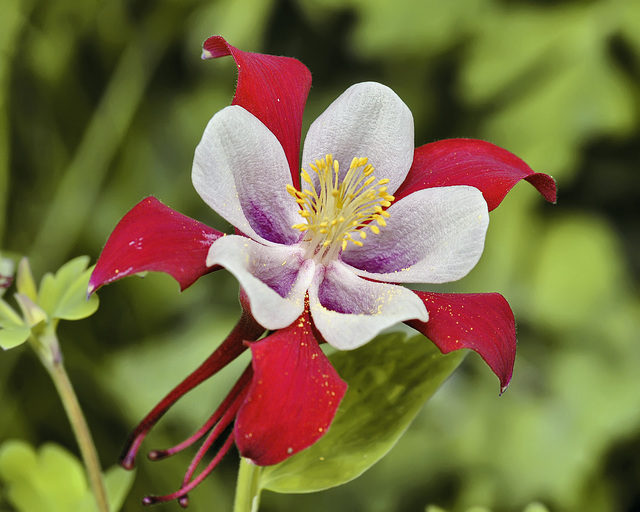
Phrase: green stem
{"type": "Point", "coordinates": [69, 399]}
{"type": "Point", "coordinates": [247, 487]}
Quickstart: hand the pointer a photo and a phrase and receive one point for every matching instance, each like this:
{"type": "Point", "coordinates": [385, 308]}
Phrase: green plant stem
{"type": "Point", "coordinates": [80, 429]}
{"type": "Point", "coordinates": [247, 487]}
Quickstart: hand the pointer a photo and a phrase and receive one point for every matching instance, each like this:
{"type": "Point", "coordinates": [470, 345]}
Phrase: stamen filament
{"type": "Point", "coordinates": [335, 209]}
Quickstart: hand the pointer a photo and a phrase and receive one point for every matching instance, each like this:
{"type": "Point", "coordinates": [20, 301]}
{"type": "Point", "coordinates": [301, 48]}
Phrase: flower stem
{"type": "Point", "coordinates": [247, 487]}
{"type": "Point", "coordinates": [80, 428]}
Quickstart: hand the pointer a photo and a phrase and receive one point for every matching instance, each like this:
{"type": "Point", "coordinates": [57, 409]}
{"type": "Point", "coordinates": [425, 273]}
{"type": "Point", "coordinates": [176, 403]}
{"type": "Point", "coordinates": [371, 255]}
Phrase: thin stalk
{"type": "Point", "coordinates": [79, 425]}
{"type": "Point", "coordinates": [247, 487]}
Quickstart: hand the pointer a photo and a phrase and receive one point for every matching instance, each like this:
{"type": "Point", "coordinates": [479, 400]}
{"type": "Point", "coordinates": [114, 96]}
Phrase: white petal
{"type": "Point", "coordinates": [367, 120]}
{"type": "Point", "coordinates": [350, 311]}
{"type": "Point", "coordinates": [275, 278]}
{"type": "Point", "coordinates": [240, 170]}
{"type": "Point", "coordinates": [434, 235]}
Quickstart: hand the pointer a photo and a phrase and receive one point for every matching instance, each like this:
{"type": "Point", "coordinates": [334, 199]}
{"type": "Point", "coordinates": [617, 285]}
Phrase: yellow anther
{"type": "Point", "coordinates": [380, 220]}
{"type": "Point", "coordinates": [337, 207]}
{"type": "Point", "coordinates": [306, 177]}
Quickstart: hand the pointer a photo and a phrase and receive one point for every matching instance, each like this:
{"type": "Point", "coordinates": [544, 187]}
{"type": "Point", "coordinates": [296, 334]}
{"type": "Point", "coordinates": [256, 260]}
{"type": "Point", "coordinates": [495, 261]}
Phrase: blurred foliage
{"type": "Point", "coordinates": [103, 103]}
{"type": "Point", "coordinates": [54, 480]}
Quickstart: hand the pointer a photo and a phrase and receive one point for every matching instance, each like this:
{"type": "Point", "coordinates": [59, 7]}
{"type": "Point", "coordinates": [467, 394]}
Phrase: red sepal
{"type": "Point", "coordinates": [485, 166]}
{"type": "Point", "coordinates": [274, 89]}
{"type": "Point", "coordinates": [482, 322]}
{"type": "Point", "coordinates": [294, 395]}
{"type": "Point", "coordinates": [153, 237]}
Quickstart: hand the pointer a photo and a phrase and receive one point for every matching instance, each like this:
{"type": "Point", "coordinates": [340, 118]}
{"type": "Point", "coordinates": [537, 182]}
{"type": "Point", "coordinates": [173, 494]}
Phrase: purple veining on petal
{"type": "Point", "coordinates": [335, 295]}
{"type": "Point", "coordinates": [389, 261]}
{"type": "Point", "coordinates": [281, 278]}
{"type": "Point", "coordinates": [268, 225]}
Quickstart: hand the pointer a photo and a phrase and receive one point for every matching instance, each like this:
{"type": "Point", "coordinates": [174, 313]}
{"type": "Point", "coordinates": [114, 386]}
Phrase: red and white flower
{"type": "Point", "coordinates": [322, 255]}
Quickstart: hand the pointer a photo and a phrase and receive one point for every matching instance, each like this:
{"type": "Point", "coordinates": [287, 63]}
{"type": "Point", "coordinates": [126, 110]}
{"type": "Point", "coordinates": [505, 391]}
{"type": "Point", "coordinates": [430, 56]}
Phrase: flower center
{"type": "Point", "coordinates": [337, 213]}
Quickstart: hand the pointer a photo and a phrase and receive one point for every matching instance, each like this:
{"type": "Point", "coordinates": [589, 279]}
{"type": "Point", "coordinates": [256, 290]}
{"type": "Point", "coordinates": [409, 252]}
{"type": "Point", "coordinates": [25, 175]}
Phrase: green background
{"type": "Point", "coordinates": [103, 102]}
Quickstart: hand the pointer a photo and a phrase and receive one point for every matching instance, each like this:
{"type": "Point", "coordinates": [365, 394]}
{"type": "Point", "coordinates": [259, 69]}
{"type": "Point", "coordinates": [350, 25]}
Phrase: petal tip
{"type": "Point", "coordinates": [546, 185]}
{"type": "Point", "coordinates": [215, 46]}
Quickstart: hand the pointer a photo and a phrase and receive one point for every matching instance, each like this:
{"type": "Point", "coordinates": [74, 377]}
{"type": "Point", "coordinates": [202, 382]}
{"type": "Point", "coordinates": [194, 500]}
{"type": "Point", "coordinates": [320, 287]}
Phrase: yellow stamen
{"type": "Point", "coordinates": [335, 209]}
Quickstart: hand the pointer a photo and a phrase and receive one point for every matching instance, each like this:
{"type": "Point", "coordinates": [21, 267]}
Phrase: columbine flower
{"type": "Point", "coordinates": [322, 258]}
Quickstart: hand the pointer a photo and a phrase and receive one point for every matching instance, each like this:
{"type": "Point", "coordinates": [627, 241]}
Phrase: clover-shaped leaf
{"type": "Point", "coordinates": [63, 295]}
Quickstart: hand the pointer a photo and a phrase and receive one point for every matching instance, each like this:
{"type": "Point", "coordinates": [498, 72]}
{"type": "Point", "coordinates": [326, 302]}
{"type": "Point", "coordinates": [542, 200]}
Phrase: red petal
{"type": "Point", "coordinates": [152, 236]}
{"type": "Point", "coordinates": [480, 321]}
{"type": "Point", "coordinates": [293, 397]}
{"type": "Point", "coordinates": [274, 89]}
{"type": "Point", "coordinates": [489, 168]}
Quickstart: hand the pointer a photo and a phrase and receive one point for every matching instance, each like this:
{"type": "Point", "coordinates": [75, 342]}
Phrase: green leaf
{"type": "Point", "coordinates": [13, 331]}
{"type": "Point", "coordinates": [389, 380]}
{"type": "Point", "coordinates": [51, 480]}
{"type": "Point", "coordinates": [65, 294]}
{"type": "Point", "coordinates": [118, 482]}
{"type": "Point", "coordinates": [25, 283]}
{"type": "Point", "coordinates": [8, 317]}
{"type": "Point", "coordinates": [74, 304]}
{"type": "Point", "coordinates": [31, 312]}
{"type": "Point", "coordinates": [11, 337]}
